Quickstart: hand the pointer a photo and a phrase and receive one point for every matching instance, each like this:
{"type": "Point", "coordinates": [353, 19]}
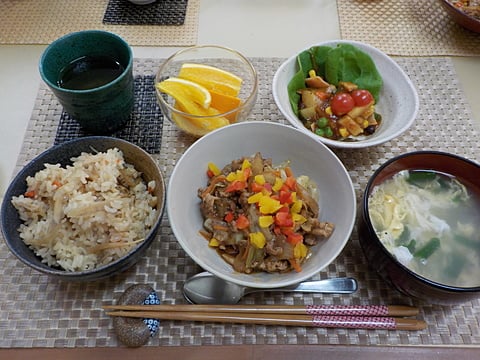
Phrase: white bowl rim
{"type": "Point", "coordinates": [281, 283]}
{"type": "Point", "coordinates": [361, 143]}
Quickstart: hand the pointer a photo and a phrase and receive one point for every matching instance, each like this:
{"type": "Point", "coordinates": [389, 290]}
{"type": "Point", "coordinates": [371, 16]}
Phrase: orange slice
{"type": "Point", "coordinates": [199, 126]}
{"type": "Point", "coordinates": [190, 95]}
{"type": "Point", "coordinates": [225, 103]}
{"type": "Point", "coordinates": [212, 78]}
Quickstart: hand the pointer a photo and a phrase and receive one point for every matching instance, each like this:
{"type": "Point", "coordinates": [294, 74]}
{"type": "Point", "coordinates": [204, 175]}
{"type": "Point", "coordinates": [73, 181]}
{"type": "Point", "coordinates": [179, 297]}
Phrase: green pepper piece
{"type": "Point", "coordinates": [420, 177]}
{"type": "Point", "coordinates": [428, 249]}
{"type": "Point", "coordinates": [411, 246]}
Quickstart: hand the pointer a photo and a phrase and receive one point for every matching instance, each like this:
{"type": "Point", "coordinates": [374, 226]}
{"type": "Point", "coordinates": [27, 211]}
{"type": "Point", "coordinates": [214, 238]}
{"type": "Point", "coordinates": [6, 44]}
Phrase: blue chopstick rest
{"type": "Point", "coordinates": [134, 332]}
{"type": "Point", "coordinates": [152, 324]}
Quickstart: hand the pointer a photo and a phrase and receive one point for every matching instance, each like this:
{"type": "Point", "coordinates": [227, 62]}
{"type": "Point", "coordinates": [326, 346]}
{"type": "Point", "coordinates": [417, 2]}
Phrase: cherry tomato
{"type": "Point", "coordinates": [362, 97]}
{"type": "Point", "coordinates": [342, 103]}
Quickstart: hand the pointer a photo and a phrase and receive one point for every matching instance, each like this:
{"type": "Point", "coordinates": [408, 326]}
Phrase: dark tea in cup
{"type": "Point", "coordinates": [88, 72]}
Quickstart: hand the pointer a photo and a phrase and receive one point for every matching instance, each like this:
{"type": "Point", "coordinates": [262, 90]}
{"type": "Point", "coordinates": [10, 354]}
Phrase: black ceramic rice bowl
{"type": "Point", "coordinates": [62, 154]}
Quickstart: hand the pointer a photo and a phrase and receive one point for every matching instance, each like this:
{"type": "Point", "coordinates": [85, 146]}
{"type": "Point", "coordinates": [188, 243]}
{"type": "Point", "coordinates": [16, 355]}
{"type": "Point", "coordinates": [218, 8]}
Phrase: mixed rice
{"type": "Point", "coordinates": [87, 214]}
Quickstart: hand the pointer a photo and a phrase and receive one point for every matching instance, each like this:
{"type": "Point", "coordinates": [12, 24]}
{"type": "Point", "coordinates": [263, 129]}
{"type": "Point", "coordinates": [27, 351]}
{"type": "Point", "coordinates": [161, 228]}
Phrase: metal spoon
{"type": "Point", "coordinates": [206, 288]}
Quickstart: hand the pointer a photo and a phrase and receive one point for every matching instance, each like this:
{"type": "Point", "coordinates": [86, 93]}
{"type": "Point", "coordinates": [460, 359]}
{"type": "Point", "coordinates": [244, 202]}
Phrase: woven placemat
{"type": "Point", "coordinates": [165, 12]}
{"type": "Point", "coordinates": [407, 27]}
{"type": "Point", "coordinates": [41, 22]}
{"type": "Point", "coordinates": [144, 127]}
{"type": "Point", "coordinates": [38, 311]}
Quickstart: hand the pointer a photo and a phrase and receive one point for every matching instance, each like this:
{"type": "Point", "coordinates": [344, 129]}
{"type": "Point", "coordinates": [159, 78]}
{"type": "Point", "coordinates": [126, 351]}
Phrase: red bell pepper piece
{"type": "Point", "coordinates": [283, 219]}
{"type": "Point", "coordinates": [229, 217]}
{"type": "Point", "coordinates": [256, 188]}
{"type": "Point", "coordinates": [242, 222]}
{"type": "Point", "coordinates": [293, 237]}
{"type": "Point", "coordinates": [210, 173]}
{"type": "Point", "coordinates": [236, 186]}
{"type": "Point", "coordinates": [285, 197]}
{"type": "Point", "coordinates": [291, 182]}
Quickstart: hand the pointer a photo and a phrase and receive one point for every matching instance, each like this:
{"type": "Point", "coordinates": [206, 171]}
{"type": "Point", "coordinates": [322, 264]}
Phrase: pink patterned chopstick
{"type": "Point", "coordinates": [330, 310]}
{"type": "Point", "coordinates": [351, 322]}
{"type": "Point", "coordinates": [368, 322]}
{"type": "Point", "coordinates": [361, 310]}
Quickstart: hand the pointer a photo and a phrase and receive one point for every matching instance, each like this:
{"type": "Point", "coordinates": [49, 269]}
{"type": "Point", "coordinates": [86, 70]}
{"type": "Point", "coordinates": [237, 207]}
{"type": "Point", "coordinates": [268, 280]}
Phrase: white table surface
{"type": "Point", "coordinates": [257, 28]}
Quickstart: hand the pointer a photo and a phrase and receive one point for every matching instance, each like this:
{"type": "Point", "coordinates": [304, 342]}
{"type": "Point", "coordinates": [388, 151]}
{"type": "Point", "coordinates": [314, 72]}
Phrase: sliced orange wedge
{"type": "Point", "coordinates": [212, 78]}
{"type": "Point", "coordinates": [199, 126]}
{"type": "Point", "coordinates": [188, 94]}
{"type": "Point", "coordinates": [225, 103]}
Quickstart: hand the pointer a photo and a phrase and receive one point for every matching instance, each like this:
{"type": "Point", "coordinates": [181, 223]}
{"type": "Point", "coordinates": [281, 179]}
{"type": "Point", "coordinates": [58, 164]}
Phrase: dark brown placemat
{"type": "Point", "coordinates": [38, 311]}
{"type": "Point", "coordinates": [160, 12]}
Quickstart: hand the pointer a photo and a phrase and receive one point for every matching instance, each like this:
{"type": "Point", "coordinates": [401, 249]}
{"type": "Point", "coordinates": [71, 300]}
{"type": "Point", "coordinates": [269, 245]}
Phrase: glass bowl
{"type": "Point", "coordinates": [222, 58]}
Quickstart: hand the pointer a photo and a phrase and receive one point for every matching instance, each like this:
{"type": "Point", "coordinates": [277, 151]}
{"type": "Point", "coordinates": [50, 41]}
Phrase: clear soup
{"type": "Point", "coordinates": [428, 221]}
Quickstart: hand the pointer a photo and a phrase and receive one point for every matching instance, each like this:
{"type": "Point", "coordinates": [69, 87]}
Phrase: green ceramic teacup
{"type": "Point", "coordinates": [104, 105]}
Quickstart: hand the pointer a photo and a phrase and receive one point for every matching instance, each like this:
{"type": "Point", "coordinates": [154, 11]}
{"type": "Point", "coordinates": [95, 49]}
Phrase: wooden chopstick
{"type": "Point", "coordinates": [333, 310]}
{"type": "Point", "coordinates": [353, 322]}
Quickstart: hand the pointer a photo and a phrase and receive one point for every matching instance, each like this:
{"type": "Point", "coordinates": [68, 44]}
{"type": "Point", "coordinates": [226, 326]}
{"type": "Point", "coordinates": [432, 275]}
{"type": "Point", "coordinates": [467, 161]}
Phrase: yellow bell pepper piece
{"type": "Point", "coordinates": [257, 239]}
{"type": "Point", "coordinates": [246, 164]}
{"type": "Point", "coordinates": [232, 177]}
{"type": "Point", "coordinates": [300, 251]}
{"type": "Point", "coordinates": [268, 205]}
{"type": "Point", "coordinates": [213, 242]}
{"type": "Point", "coordinates": [265, 221]}
{"type": "Point", "coordinates": [255, 198]}
{"type": "Point", "coordinates": [298, 219]}
{"type": "Point", "coordinates": [296, 207]}
{"type": "Point", "coordinates": [294, 196]}
{"type": "Point", "coordinates": [260, 179]}
{"type": "Point", "coordinates": [278, 184]}
{"type": "Point", "coordinates": [238, 175]}
{"type": "Point", "coordinates": [213, 168]}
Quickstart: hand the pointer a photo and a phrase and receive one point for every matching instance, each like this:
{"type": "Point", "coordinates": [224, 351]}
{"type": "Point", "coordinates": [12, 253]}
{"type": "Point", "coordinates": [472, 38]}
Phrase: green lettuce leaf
{"type": "Point", "coordinates": [348, 63]}
{"type": "Point", "coordinates": [345, 62]}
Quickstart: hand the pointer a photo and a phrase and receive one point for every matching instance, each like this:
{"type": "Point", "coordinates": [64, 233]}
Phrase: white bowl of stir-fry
{"type": "Point", "coordinates": [261, 204]}
{"type": "Point", "coordinates": [346, 94]}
